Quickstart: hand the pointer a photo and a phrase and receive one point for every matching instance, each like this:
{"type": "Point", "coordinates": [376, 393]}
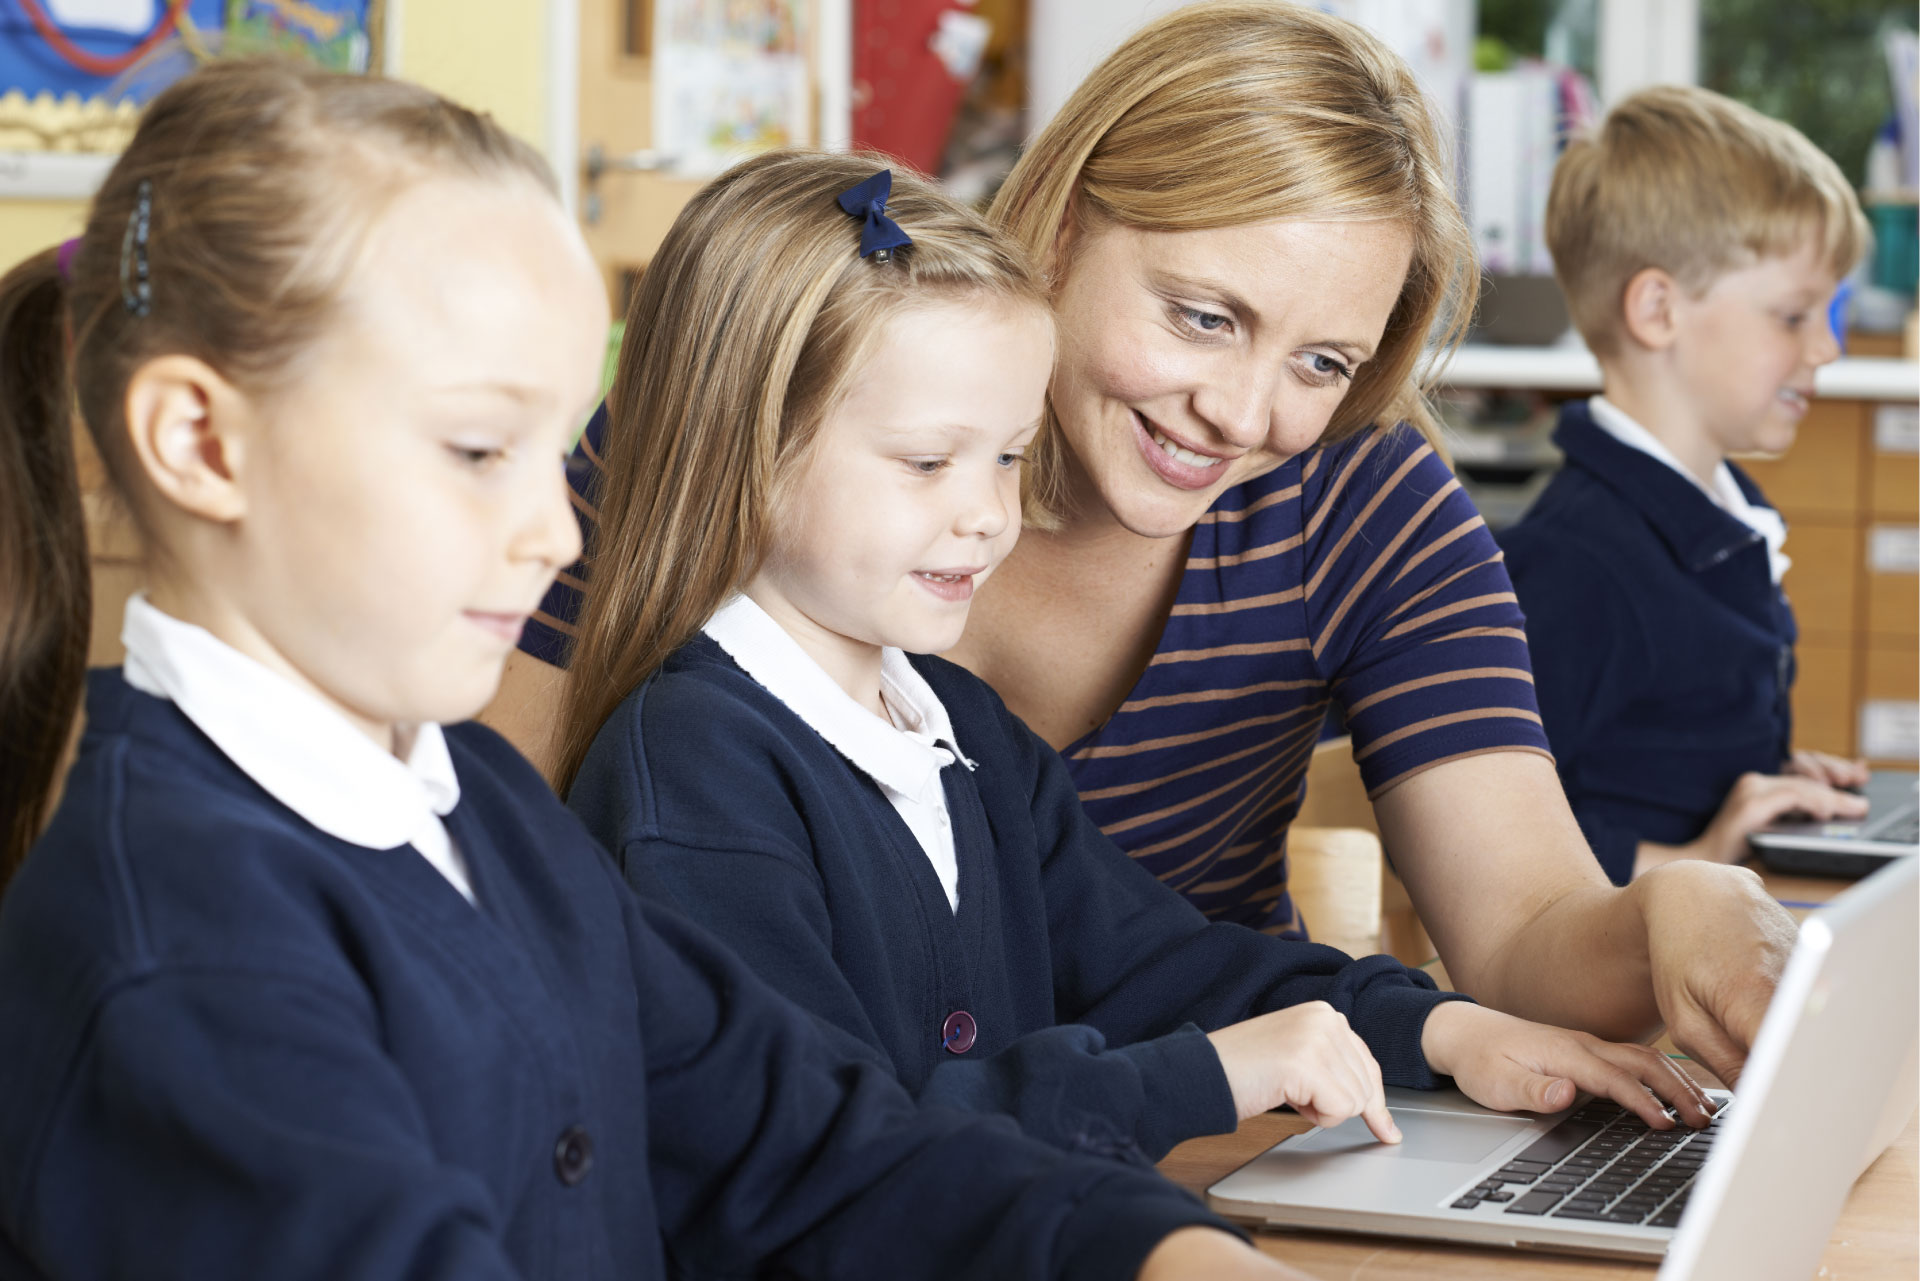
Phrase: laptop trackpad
{"type": "Point", "coordinates": [1430, 1136]}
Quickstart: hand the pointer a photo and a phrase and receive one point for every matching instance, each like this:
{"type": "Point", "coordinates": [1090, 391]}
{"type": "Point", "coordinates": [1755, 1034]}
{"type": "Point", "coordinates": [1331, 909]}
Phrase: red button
{"type": "Point", "coordinates": [956, 1034]}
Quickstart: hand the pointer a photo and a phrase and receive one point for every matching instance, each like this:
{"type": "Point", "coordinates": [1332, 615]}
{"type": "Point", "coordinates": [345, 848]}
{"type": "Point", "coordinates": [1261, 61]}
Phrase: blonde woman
{"type": "Point", "coordinates": [1245, 227]}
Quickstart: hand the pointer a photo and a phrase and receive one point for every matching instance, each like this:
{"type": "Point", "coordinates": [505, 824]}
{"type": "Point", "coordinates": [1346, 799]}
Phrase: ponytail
{"type": "Point", "coordinates": [45, 587]}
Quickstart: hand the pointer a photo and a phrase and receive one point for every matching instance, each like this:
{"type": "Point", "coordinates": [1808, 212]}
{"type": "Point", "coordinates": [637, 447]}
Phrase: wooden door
{"type": "Point", "coordinates": [624, 211]}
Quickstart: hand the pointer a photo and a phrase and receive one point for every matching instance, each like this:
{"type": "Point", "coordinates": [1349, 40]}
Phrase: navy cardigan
{"type": "Point", "coordinates": [1662, 649]}
{"type": "Point", "coordinates": [238, 1047]}
{"type": "Point", "coordinates": [714, 793]}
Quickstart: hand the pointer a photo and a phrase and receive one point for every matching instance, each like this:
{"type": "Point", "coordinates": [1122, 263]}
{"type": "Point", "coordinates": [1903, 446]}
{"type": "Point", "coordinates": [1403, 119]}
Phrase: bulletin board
{"type": "Point", "coordinates": [129, 50]}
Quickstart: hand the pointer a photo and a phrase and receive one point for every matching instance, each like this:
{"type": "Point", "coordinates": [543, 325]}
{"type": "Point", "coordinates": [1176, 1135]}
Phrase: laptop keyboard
{"type": "Point", "coordinates": [1602, 1163]}
{"type": "Point", "coordinates": [1901, 829]}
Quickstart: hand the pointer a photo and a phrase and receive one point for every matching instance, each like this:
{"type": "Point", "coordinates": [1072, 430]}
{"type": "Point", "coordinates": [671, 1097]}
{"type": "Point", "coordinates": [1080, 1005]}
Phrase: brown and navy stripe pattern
{"type": "Point", "coordinates": [1358, 574]}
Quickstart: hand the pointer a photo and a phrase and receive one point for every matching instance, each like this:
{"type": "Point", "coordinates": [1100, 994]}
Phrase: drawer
{"type": "Point", "coordinates": [1820, 477]}
{"type": "Point", "coordinates": [1890, 705]}
{"type": "Point", "coordinates": [1894, 465]}
{"type": "Point", "coordinates": [1823, 583]}
{"type": "Point", "coordinates": [1825, 697]}
{"type": "Point", "coordinates": [1892, 582]}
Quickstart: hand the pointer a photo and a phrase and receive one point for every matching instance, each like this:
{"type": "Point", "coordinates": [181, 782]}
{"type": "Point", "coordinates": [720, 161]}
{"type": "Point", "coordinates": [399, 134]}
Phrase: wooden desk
{"type": "Point", "coordinates": [1876, 1239]}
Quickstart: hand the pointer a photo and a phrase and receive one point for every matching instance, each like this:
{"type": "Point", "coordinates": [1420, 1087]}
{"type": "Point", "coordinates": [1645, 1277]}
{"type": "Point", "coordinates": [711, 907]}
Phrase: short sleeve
{"type": "Point", "coordinates": [1412, 616]}
{"type": "Point", "coordinates": [550, 633]}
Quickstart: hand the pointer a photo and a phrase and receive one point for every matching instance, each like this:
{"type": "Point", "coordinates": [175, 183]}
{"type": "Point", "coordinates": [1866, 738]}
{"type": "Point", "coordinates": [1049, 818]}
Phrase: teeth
{"type": "Point", "coordinates": [1186, 456]}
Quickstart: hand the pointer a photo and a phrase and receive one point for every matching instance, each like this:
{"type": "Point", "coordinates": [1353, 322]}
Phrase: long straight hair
{"type": "Point", "coordinates": [747, 329]}
{"type": "Point", "coordinates": [257, 180]}
{"type": "Point", "coordinates": [1245, 111]}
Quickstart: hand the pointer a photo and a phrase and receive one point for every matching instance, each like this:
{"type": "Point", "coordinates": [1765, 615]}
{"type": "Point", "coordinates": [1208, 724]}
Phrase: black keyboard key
{"type": "Point", "coordinates": [1667, 1218]}
{"type": "Point", "coordinates": [1532, 1169]}
{"type": "Point", "coordinates": [1501, 1195]}
{"type": "Point", "coordinates": [1623, 1216]}
{"type": "Point", "coordinates": [1466, 1203]}
{"type": "Point", "coordinates": [1569, 1212]}
{"type": "Point", "coordinates": [1534, 1203]}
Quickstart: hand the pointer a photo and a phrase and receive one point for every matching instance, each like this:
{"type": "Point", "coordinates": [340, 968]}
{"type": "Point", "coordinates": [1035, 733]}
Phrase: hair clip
{"type": "Point", "coordinates": [136, 289]}
{"type": "Point", "coordinates": [868, 201]}
{"type": "Point", "coordinates": [68, 249]}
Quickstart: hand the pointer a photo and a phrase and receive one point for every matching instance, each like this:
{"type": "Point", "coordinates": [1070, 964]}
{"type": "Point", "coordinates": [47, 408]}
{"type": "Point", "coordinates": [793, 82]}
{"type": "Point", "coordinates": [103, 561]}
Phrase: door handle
{"type": "Point", "coordinates": [598, 164]}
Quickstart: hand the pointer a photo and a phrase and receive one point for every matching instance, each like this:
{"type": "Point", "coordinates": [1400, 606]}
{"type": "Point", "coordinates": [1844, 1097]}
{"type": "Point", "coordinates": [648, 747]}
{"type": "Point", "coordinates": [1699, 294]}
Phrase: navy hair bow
{"type": "Point", "coordinates": [868, 201]}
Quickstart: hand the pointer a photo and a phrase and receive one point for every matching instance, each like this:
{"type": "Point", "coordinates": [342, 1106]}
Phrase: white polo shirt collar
{"type": "Point", "coordinates": [1725, 491]}
{"type": "Point", "coordinates": [302, 752]}
{"type": "Point", "coordinates": [905, 762]}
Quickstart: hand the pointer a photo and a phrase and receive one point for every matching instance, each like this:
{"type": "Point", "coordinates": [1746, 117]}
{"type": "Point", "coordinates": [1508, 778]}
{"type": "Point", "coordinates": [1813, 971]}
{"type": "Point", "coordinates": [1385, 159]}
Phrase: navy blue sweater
{"type": "Point", "coordinates": [237, 1047]}
{"type": "Point", "coordinates": [713, 793]}
{"type": "Point", "coordinates": [1662, 649]}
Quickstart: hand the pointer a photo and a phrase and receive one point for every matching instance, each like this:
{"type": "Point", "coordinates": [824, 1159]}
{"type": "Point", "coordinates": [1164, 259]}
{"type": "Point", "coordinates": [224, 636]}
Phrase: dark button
{"type": "Point", "coordinates": [573, 1156]}
{"type": "Point", "coordinates": [957, 1033]}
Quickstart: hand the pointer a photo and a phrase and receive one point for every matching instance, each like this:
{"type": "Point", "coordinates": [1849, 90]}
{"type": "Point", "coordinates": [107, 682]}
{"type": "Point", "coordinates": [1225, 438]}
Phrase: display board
{"type": "Point", "coordinates": [131, 49]}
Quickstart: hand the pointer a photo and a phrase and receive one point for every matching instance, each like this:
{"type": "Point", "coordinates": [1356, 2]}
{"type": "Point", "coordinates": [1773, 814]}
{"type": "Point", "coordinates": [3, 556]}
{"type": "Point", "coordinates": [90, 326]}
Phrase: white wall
{"type": "Point", "coordinates": [1067, 38]}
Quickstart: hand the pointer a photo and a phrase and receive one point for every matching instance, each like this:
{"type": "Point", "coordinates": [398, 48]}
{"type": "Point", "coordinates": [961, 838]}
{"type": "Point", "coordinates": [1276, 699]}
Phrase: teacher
{"type": "Point", "coordinates": [1245, 223]}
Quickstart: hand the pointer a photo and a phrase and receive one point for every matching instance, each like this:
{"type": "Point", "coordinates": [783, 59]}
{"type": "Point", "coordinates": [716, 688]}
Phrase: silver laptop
{"type": "Point", "coordinates": [1890, 830]}
{"type": "Point", "coordinates": [1830, 1082]}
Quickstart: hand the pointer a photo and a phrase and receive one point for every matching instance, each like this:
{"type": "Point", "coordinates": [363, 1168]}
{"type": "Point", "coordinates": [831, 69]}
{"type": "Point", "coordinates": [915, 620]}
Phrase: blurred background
{"type": "Point", "coordinates": [636, 102]}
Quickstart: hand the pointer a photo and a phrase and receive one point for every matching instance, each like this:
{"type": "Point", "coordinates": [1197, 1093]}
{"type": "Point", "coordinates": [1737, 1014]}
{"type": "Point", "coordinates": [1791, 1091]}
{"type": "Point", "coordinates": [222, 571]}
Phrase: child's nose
{"type": "Point", "coordinates": [989, 509]}
{"type": "Point", "coordinates": [549, 533]}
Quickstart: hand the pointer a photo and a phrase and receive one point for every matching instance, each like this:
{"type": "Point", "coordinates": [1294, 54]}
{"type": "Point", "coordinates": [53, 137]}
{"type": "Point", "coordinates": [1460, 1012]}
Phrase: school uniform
{"type": "Point", "coordinates": [255, 1031]}
{"type": "Point", "coordinates": [1060, 982]}
{"type": "Point", "coordinates": [1662, 643]}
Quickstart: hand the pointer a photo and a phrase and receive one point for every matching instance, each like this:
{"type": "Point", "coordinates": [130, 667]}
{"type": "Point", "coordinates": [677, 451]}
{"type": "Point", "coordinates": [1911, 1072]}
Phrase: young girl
{"type": "Point", "coordinates": [811, 461]}
{"type": "Point", "coordinates": [296, 984]}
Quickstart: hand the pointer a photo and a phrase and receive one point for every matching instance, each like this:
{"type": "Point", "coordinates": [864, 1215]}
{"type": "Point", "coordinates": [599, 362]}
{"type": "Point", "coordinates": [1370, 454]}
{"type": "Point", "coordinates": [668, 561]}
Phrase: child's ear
{"type": "Point", "coordinates": [187, 425]}
{"type": "Point", "coordinates": [1649, 306]}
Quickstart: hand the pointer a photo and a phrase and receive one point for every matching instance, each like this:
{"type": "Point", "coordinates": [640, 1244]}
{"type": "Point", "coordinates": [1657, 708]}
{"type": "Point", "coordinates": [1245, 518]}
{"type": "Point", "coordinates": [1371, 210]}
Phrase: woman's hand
{"type": "Point", "coordinates": [1307, 1057]}
{"type": "Point", "coordinates": [1512, 1065]}
{"type": "Point", "coordinates": [1716, 945]}
{"type": "Point", "coordinates": [1834, 771]}
{"type": "Point", "coordinates": [1207, 1254]}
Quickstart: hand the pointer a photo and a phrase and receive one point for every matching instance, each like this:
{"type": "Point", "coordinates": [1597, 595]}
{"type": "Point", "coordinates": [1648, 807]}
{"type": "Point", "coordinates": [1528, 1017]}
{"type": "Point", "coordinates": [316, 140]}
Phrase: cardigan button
{"type": "Point", "coordinates": [573, 1156]}
{"type": "Point", "coordinates": [957, 1033]}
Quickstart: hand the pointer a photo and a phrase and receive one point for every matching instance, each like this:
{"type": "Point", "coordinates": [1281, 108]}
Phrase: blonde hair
{"type": "Point", "coordinates": [1229, 113]}
{"type": "Point", "coordinates": [1690, 182]}
{"type": "Point", "coordinates": [747, 329]}
{"type": "Point", "coordinates": [256, 181]}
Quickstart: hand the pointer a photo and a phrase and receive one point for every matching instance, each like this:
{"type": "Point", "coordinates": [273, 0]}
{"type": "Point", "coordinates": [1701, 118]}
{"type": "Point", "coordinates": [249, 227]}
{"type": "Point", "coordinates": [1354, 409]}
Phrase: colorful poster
{"type": "Point", "coordinates": [730, 78]}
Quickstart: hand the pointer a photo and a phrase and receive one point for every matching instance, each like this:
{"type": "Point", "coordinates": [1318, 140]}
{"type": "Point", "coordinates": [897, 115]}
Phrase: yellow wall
{"type": "Point", "coordinates": [497, 65]}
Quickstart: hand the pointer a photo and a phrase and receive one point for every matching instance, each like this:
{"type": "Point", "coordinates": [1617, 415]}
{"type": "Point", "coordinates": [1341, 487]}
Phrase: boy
{"type": "Point", "coordinates": [1699, 245]}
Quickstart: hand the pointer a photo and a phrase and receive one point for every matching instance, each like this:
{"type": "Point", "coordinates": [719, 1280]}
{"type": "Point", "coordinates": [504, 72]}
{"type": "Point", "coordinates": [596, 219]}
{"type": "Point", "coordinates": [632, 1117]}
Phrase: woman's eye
{"type": "Point", "coordinates": [1329, 368]}
{"type": "Point", "coordinates": [1206, 321]}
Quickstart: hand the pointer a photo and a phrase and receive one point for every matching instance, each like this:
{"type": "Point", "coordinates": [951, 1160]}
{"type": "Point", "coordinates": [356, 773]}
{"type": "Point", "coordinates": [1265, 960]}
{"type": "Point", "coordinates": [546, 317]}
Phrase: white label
{"type": "Point", "coordinates": [1890, 730]}
{"type": "Point", "coordinates": [1896, 429]}
{"type": "Point", "coordinates": [131, 17]}
{"type": "Point", "coordinates": [1894, 549]}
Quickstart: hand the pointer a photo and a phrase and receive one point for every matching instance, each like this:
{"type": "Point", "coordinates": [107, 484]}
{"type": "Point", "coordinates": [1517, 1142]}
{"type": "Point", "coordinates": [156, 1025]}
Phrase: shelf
{"type": "Point", "coordinates": [1574, 369]}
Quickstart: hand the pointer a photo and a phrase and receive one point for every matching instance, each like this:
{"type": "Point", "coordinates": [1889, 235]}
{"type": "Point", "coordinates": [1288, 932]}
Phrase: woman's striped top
{"type": "Point", "coordinates": [1356, 573]}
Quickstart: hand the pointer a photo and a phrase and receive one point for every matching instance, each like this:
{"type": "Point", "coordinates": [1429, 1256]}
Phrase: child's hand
{"type": "Point", "coordinates": [1307, 1057]}
{"type": "Point", "coordinates": [1834, 771]}
{"type": "Point", "coordinates": [1759, 799]}
{"type": "Point", "coordinates": [1512, 1065]}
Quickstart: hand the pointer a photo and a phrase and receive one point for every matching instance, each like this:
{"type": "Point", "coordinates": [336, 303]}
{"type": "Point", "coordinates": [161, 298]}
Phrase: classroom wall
{"type": "Point", "coordinates": [497, 65]}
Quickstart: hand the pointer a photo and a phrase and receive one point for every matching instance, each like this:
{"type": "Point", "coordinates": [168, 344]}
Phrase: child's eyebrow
{"type": "Point", "coordinates": [519, 392]}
